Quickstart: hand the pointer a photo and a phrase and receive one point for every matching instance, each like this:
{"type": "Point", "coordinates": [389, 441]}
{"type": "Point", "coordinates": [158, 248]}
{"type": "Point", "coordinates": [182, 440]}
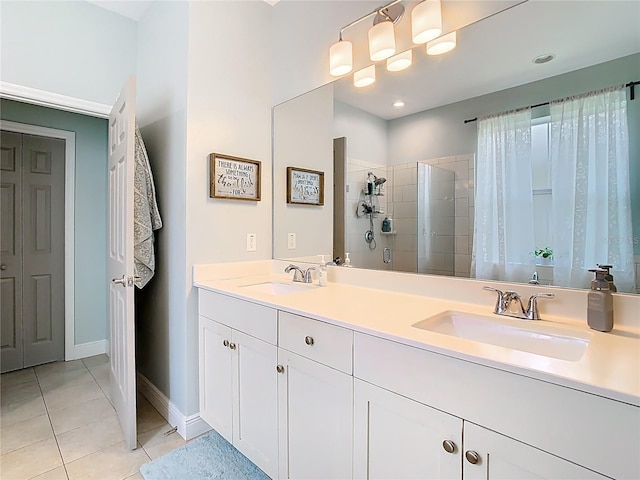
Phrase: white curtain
{"type": "Point", "coordinates": [590, 180]}
{"type": "Point", "coordinates": [503, 241]}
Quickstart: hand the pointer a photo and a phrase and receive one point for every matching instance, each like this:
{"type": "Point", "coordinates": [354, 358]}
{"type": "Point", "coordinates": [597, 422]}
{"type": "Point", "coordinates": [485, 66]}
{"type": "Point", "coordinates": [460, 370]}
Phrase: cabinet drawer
{"type": "Point", "coordinates": [319, 341]}
{"type": "Point", "coordinates": [253, 319]}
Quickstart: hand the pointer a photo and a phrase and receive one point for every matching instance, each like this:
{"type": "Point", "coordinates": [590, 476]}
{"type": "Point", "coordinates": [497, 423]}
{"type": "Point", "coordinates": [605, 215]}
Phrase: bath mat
{"type": "Point", "coordinates": [207, 457]}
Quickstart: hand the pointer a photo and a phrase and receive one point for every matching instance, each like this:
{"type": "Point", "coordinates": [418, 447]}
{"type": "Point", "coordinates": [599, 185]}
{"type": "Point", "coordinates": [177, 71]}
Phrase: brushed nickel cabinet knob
{"type": "Point", "coordinates": [308, 340]}
{"type": "Point", "coordinates": [449, 446]}
{"type": "Point", "coordinates": [232, 346]}
{"type": "Point", "coordinates": [225, 343]}
{"type": "Point", "coordinates": [472, 457]}
{"type": "Point", "coordinates": [280, 369]}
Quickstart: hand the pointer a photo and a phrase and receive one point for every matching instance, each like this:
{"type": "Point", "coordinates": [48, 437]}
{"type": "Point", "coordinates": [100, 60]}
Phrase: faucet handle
{"type": "Point", "coordinates": [532, 307]}
{"type": "Point", "coordinates": [498, 307]}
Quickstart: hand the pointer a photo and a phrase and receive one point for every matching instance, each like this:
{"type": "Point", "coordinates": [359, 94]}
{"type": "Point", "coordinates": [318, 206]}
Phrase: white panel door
{"type": "Point", "coordinates": [216, 398]}
{"type": "Point", "coordinates": [120, 260]}
{"type": "Point", "coordinates": [396, 438]}
{"type": "Point", "coordinates": [315, 404]}
{"type": "Point", "coordinates": [489, 455]}
{"type": "Point", "coordinates": [255, 391]}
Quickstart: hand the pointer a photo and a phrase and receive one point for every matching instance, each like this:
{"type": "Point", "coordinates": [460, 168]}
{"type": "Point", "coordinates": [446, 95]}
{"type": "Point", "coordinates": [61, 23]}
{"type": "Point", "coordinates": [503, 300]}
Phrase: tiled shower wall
{"type": "Point", "coordinates": [359, 252]}
{"type": "Point", "coordinates": [405, 212]}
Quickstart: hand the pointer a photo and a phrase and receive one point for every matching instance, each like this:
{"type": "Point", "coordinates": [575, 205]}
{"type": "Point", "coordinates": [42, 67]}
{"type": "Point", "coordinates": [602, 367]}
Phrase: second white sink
{"type": "Point", "coordinates": [524, 335]}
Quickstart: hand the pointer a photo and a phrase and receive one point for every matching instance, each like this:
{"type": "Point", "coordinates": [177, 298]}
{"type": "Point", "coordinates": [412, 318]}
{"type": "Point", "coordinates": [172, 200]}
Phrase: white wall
{"type": "Point", "coordinates": [162, 115]}
{"type": "Point", "coordinates": [229, 111]}
{"type": "Point", "coordinates": [72, 48]}
{"type": "Point", "coordinates": [303, 138]}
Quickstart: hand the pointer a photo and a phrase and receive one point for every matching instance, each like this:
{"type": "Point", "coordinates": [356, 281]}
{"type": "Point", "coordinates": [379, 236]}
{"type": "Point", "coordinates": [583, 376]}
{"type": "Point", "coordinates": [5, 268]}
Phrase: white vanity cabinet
{"type": "Point", "coordinates": [545, 430]}
{"type": "Point", "coordinates": [398, 438]}
{"type": "Point", "coordinates": [315, 399]}
{"type": "Point", "coordinates": [238, 379]}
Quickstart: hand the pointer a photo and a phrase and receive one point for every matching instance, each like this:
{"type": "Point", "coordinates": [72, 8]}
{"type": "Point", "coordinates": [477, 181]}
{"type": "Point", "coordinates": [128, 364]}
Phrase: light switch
{"type": "Point", "coordinates": [251, 242]}
{"type": "Point", "coordinates": [291, 241]}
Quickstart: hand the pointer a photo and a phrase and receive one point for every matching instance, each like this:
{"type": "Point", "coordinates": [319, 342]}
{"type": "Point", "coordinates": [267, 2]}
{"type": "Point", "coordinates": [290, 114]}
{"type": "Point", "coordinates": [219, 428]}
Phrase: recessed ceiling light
{"type": "Point", "coordinates": [547, 57]}
{"type": "Point", "coordinates": [398, 103]}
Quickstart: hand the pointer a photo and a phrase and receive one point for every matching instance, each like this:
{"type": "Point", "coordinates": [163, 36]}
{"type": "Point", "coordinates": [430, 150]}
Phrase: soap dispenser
{"type": "Point", "coordinates": [608, 277]}
{"type": "Point", "coordinates": [600, 303]}
{"type": "Point", "coordinates": [322, 272]}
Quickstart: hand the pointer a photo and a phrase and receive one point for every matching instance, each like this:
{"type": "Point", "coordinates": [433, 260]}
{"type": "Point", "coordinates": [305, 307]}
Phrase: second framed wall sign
{"type": "Point", "coordinates": [305, 187]}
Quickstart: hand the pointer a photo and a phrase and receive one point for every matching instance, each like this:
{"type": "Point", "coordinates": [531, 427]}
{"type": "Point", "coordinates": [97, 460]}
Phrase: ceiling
{"type": "Point", "coordinates": [133, 9]}
{"type": "Point", "coordinates": [497, 53]}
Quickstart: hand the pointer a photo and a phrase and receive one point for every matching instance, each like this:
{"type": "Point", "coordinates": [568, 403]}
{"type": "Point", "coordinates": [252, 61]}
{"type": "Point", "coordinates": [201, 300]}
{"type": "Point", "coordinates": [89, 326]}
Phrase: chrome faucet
{"type": "Point", "coordinates": [300, 275]}
{"type": "Point", "coordinates": [506, 299]}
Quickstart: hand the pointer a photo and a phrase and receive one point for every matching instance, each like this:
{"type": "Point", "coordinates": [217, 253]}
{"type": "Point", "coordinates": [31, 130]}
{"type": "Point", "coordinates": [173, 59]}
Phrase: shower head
{"type": "Point", "coordinates": [380, 180]}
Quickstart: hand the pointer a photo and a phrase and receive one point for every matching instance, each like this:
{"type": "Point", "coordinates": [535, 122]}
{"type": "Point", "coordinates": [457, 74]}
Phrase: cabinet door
{"type": "Point", "coordinates": [503, 458]}
{"type": "Point", "coordinates": [255, 392]}
{"type": "Point", "coordinates": [215, 376]}
{"type": "Point", "coordinates": [315, 405]}
{"type": "Point", "coordinates": [398, 438]}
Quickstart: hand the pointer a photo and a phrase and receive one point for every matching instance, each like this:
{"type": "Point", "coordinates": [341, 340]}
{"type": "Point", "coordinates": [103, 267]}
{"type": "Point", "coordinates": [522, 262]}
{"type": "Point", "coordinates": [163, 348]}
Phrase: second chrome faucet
{"type": "Point", "coordinates": [506, 301]}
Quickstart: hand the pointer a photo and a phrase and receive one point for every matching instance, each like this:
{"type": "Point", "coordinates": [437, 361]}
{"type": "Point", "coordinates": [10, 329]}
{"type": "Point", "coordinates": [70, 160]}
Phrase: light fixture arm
{"type": "Point", "coordinates": [378, 11]}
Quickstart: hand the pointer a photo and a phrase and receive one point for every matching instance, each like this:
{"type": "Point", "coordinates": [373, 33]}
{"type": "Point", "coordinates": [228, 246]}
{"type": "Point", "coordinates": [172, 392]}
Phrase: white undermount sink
{"type": "Point", "coordinates": [279, 288]}
{"type": "Point", "coordinates": [525, 335]}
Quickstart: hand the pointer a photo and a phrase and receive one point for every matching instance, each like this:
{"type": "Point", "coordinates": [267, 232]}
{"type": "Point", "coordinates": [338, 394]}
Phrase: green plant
{"type": "Point", "coordinates": [545, 252]}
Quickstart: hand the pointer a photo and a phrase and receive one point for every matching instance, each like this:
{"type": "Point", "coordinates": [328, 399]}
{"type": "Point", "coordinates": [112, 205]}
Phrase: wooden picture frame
{"type": "Point", "coordinates": [234, 178]}
{"type": "Point", "coordinates": [305, 187]}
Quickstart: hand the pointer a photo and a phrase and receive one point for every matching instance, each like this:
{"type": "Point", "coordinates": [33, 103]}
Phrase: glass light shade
{"type": "Point", "coordinates": [426, 21]}
{"type": "Point", "coordinates": [365, 77]}
{"type": "Point", "coordinates": [400, 61]}
{"type": "Point", "coordinates": [442, 45]}
{"type": "Point", "coordinates": [382, 41]}
{"type": "Point", "coordinates": [340, 58]}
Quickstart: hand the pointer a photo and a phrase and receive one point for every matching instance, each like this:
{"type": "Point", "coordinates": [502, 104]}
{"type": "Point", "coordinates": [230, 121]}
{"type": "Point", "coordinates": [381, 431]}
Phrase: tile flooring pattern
{"type": "Point", "coordinates": [56, 422]}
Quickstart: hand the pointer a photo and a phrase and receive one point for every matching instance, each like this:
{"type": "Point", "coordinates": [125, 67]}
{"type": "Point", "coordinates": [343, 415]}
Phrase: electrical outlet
{"type": "Point", "coordinates": [291, 241]}
{"type": "Point", "coordinates": [251, 242]}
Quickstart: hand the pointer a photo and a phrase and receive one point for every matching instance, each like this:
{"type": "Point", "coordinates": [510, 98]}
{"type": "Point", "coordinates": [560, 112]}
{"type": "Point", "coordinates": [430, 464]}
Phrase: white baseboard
{"type": "Point", "coordinates": [88, 349]}
{"type": "Point", "coordinates": [188, 427]}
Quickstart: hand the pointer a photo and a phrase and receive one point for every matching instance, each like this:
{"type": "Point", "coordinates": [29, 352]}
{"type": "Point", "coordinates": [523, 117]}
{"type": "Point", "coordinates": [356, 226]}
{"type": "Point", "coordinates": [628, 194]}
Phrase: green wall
{"type": "Point", "coordinates": [90, 210]}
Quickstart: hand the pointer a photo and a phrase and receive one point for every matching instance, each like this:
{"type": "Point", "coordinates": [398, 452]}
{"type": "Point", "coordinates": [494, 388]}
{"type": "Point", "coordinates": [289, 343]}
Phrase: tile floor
{"type": "Point", "coordinates": [56, 422]}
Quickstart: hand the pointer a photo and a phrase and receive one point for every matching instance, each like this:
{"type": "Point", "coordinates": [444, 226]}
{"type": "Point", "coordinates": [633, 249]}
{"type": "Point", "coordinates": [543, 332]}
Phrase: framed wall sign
{"type": "Point", "coordinates": [305, 187]}
{"type": "Point", "coordinates": [233, 177]}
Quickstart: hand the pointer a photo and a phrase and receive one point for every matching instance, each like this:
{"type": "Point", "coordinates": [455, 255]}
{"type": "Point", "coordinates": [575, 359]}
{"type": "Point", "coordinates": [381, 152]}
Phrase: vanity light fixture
{"type": "Point", "coordinates": [382, 41]}
{"type": "Point", "coordinates": [398, 104]}
{"type": "Point", "coordinates": [365, 77]}
{"type": "Point", "coordinates": [426, 21]}
{"type": "Point", "coordinates": [442, 44]}
{"type": "Point", "coordinates": [400, 61]}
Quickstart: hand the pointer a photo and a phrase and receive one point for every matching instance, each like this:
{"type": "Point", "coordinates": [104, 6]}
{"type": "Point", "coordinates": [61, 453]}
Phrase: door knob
{"type": "Point", "coordinates": [3, 267]}
{"type": "Point", "coordinates": [472, 457]}
{"type": "Point", "coordinates": [449, 446]}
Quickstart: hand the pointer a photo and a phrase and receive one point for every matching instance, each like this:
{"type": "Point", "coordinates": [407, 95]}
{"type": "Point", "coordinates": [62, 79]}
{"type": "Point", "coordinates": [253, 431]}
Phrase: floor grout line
{"type": "Point", "coordinates": [46, 407]}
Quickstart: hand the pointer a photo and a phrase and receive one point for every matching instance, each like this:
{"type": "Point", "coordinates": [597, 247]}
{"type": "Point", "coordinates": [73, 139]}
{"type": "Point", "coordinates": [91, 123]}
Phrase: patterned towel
{"type": "Point", "coordinates": [146, 217]}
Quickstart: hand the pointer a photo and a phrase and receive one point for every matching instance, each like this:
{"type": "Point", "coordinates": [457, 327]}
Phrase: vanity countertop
{"type": "Point", "coordinates": [610, 366]}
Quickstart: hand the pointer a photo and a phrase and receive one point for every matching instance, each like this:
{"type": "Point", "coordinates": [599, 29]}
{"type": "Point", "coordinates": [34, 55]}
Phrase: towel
{"type": "Point", "coordinates": [146, 217]}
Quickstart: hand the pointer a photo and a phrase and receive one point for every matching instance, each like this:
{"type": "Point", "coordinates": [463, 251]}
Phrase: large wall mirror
{"type": "Point", "coordinates": [432, 186]}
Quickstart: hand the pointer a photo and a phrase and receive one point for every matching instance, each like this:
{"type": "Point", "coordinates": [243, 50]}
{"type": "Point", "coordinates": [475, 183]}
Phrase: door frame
{"type": "Point", "coordinates": [69, 221]}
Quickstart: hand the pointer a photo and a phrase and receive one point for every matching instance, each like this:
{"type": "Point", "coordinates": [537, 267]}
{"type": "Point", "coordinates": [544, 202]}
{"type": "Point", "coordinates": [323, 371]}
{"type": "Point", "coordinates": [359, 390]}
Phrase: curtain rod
{"type": "Point", "coordinates": [630, 85]}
